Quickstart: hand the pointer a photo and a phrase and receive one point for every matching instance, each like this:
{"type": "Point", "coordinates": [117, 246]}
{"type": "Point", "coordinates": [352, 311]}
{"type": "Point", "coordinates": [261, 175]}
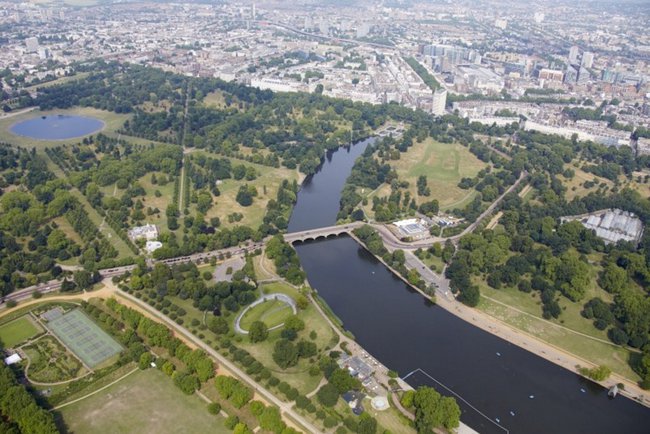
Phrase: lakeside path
{"type": "Point", "coordinates": [492, 325]}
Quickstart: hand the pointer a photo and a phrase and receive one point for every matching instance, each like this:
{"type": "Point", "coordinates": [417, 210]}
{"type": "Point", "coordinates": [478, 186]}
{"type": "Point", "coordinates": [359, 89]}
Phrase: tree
{"type": "Point", "coordinates": [218, 325]}
{"type": "Point", "coordinates": [432, 410]}
{"type": "Point", "coordinates": [294, 323]}
{"type": "Point", "coordinates": [367, 424]}
{"type": "Point", "coordinates": [343, 381]}
{"type": "Point", "coordinates": [285, 353]}
{"type": "Point", "coordinates": [328, 395]}
{"type": "Point", "coordinates": [271, 420]}
{"type": "Point", "coordinates": [258, 332]}
{"type": "Point", "coordinates": [307, 349]}
{"type": "Point", "coordinates": [145, 360]}
{"type": "Point", "coordinates": [244, 197]}
{"type": "Point", "coordinates": [214, 408]}
{"type": "Point", "coordinates": [83, 279]}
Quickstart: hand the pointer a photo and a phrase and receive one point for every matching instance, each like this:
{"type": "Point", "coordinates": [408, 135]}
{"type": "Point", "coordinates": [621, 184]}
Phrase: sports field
{"type": "Point", "coordinates": [18, 331]}
{"type": "Point", "coordinates": [144, 402]}
{"type": "Point", "coordinates": [84, 338]}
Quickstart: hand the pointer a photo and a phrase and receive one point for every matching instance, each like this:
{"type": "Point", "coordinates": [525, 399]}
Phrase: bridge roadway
{"type": "Point", "coordinates": [390, 240]}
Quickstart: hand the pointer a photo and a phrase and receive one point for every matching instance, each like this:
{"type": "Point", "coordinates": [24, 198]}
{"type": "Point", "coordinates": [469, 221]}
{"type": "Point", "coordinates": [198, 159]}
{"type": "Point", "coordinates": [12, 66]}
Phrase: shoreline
{"type": "Point", "coordinates": [523, 340]}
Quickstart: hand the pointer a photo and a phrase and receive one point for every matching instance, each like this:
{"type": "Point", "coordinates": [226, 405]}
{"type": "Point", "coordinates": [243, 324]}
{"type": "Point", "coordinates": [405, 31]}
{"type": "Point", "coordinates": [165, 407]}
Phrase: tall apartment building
{"type": "Point", "coordinates": [439, 102]}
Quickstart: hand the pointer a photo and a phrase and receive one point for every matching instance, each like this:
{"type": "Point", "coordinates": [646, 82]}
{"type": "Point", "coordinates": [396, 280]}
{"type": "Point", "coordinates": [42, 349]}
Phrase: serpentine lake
{"type": "Point", "coordinates": [57, 127]}
{"type": "Point", "coordinates": [504, 389]}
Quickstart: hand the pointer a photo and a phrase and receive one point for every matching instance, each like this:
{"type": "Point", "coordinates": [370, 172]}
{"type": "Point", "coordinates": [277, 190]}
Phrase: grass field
{"type": "Point", "coordinates": [144, 402]}
{"type": "Point", "coordinates": [18, 331]}
{"type": "Point", "coordinates": [112, 121]}
{"type": "Point", "coordinates": [225, 204]}
{"type": "Point", "coordinates": [271, 312]}
{"type": "Point", "coordinates": [444, 165]}
{"type": "Point", "coordinates": [79, 333]}
{"type": "Point", "coordinates": [575, 186]}
{"type": "Point", "coordinates": [60, 80]}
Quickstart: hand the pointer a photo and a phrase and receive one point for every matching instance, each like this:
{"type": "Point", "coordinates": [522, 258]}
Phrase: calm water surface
{"type": "Point", "coordinates": [57, 127]}
{"type": "Point", "coordinates": [396, 325]}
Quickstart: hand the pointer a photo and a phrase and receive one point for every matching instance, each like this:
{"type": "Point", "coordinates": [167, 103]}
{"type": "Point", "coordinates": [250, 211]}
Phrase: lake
{"type": "Point", "coordinates": [57, 127]}
{"type": "Point", "coordinates": [406, 333]}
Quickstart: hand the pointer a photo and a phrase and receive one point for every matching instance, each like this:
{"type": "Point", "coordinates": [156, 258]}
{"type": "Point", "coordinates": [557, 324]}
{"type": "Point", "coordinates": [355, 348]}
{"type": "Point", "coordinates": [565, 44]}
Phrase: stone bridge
{"type": "Point", "coordinates": [318, 233]}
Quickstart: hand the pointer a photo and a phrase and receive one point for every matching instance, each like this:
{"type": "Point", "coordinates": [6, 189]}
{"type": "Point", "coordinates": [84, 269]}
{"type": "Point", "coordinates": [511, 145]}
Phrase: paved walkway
{"type": "Point", "coordinates": [517, 337]}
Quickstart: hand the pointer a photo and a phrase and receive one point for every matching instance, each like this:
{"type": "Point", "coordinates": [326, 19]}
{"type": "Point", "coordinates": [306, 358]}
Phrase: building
{"type": "Point", "coordinates": [152, 246]}
{"type": "Point", "coordinates": [501, 23]}
{"type": "Point", "coordinates": [587, 59]}
{"type": "Point", "coordinates": [573, 54]}
{"type": "Point", "coordinates": [148, 232]}
{"type": "Point", "coordinates": [643, 146]}
{"type": "Point", "coordinates": [583, 75]}
{"type": "Point", "coordinates": [363, 30]}
{"type": "Point", "coordinates": [612, 225]}
{"type": "Point", "coordinates": [31, 44]}
{"type": "Point", "coordinates": [439, 102]}
{"type": "Point", "coordinates": [414, 229]}
{"type": "Point", "coordinates": [13, 359]}
{"type": "Point", "coordinates": [571, 75]}
{"type": "Point", "coordinates": [355, 366]}
{"type": "Point", "coordinates": [551, 75]}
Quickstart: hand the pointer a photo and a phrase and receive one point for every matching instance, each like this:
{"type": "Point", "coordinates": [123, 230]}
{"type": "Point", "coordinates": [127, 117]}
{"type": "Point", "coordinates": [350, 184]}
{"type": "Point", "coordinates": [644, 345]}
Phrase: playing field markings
{"type": "Point", "coordinates": [84, 338]}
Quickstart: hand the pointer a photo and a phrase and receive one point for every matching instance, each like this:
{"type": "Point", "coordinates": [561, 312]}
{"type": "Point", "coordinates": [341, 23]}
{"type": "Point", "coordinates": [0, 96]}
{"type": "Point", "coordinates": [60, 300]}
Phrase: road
{"type": "Point", "coordinates": [390, 240]}
{"type": "Point", "coordinates": [284, 407]}
{"type": "Point", "coordinates": [55, 285]}
{"type": "Point", "coordinates": [522, 339]}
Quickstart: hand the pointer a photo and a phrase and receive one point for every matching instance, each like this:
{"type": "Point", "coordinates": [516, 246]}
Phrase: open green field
{"type": "Point", "coordinates": [575, 186]}
{"type": "Point", "coordinates": [268, 177]}
{"type": "Point", "coordinates": [271, 312]}
{"type": "Point", "coordinates": [144, 402]}
{"type": "Point", "coordinates": [444, 165]}
{"type": "Point", "coordinates": [112, 121]}
{"type": "Point", "coordinates": [60, 80]}
{"type": "Point", "coordinates": [18, 331]}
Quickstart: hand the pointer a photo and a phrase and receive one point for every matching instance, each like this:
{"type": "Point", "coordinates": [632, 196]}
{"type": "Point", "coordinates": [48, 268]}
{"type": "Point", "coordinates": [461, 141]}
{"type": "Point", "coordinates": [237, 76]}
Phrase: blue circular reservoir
{"type": "Point", "coordinates": [57, 127]}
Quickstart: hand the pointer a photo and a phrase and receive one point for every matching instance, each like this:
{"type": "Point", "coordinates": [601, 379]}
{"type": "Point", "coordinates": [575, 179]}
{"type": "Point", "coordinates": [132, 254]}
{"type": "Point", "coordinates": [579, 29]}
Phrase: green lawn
{"type": "Point", "coordinates": [269, 179]}
{"type": "Point", "coordinates": [112, 121]}
{"type": "Point", "coordinates": [575, 186]}
{"type": "Point", "coordinates": [18, 331]}
{"type": "Point", "coordinates": [271, 312]}
{"type": "Point", "coordinates": [144, 402]}
{"type": "Point", "coordinates": [444, 165]}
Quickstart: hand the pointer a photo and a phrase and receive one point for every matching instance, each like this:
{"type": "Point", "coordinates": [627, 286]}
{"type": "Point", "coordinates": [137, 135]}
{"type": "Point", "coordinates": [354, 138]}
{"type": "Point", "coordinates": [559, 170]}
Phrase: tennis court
{"type": "Point", "coordinates": [84, 338]}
